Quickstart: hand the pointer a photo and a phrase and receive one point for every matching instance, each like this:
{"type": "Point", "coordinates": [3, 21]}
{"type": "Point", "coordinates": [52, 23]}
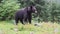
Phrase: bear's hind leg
{"type": "Point", "coordinates": [25, 20]}
{"type": "Point", "coordinates": [16, 21]}
{"type": "Point", "coordinates": [21, 20]}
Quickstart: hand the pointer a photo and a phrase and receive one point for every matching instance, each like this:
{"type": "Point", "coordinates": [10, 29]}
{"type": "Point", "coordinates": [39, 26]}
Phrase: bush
{"type": "Point", "coordinates": [8, 8]}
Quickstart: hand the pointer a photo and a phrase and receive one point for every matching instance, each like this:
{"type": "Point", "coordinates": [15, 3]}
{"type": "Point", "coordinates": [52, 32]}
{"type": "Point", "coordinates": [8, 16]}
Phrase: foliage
{"type": "Point", "coordinates": [8, 8]}
{"type": "Point", "coordinates": [48, 10]}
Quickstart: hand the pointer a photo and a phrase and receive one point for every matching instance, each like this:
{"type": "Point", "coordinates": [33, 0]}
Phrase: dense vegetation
{"type": "Point", "coordinates": [47, 10]}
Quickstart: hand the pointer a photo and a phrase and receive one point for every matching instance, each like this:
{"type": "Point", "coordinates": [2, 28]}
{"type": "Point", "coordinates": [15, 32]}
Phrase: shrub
{"type": "Point", "coordinates": [8, 8]}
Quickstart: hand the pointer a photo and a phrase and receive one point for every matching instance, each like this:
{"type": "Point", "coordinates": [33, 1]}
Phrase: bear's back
{"type": "Point", "coordinates": [21, 12]}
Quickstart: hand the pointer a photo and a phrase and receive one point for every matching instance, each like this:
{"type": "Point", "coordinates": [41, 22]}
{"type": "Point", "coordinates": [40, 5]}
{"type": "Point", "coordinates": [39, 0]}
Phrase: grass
{"type": "Point", "coordinates": [7, 27]}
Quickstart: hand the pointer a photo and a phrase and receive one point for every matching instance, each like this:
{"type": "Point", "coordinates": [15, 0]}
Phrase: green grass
{"type": "Point", "coordinates": [7, 27]}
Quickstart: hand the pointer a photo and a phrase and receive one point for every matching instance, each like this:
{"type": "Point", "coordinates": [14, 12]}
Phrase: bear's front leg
{"type": "Point", "coordinates": [29, 19]}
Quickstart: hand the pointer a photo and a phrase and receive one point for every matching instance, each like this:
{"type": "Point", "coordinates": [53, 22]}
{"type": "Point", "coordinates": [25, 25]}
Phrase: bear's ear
{"type": "Point", "coordinates": [31, 7]}
{"type": "Point", "coordinates": [28, 8]}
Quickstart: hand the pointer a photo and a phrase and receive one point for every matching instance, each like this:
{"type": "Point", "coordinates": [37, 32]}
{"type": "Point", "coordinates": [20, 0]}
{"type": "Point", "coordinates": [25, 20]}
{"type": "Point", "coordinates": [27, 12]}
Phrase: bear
{"type": "Point", "coordinates": [25, 14]}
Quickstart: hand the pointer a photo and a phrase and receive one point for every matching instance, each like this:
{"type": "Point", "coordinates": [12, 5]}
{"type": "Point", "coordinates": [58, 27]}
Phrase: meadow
{"type": "Point", "coordinates": [8, 27]}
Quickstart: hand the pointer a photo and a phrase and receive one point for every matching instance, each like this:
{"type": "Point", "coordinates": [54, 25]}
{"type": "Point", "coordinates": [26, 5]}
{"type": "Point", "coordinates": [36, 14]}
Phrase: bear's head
{"type": "Point", "coordinates": [32, 9]}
